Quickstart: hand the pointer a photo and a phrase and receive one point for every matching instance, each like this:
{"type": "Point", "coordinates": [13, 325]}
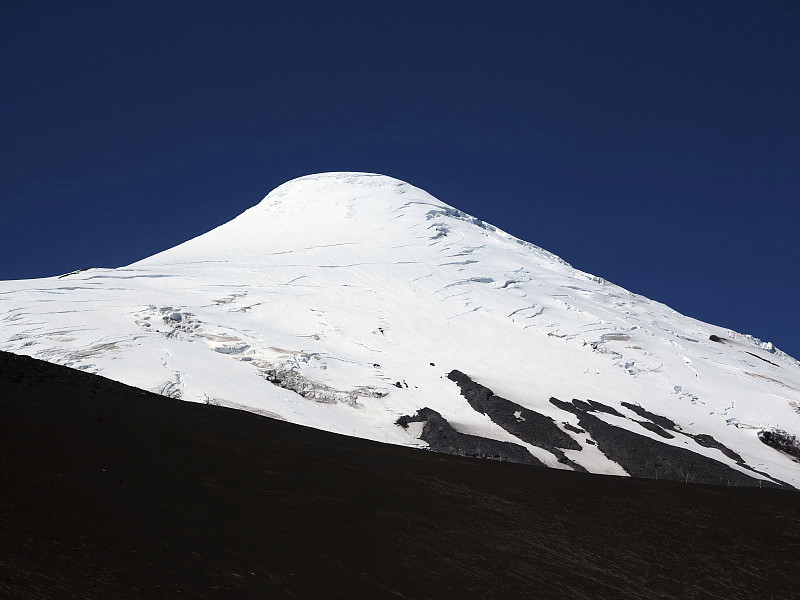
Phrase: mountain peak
{"type": "Point", "coordinates": [323, 196]}
{"type": "Point", "coordinates": [326, 210]}
{"type": "Point", "coordinates": [331, 184]}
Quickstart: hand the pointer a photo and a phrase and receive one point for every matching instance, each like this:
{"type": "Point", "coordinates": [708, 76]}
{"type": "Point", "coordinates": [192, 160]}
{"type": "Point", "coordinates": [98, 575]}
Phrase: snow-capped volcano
{"type": "Point", "coordinates": [353, 302]}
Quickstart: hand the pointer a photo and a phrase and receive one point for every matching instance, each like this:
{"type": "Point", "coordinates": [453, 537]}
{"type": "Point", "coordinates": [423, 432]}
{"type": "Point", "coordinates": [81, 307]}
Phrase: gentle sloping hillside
{"type": "Point", "coordinates": [111, 492]}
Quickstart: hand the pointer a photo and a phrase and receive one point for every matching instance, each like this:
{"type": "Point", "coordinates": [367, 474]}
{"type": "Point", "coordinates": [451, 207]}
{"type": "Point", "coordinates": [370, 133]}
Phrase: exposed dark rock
{"type": "Point", "coordinates": [703, 439]}
{"type": "Point", "coordinates": [406, 419]}
{"type": "Point", "coordinates": [642, 456]}
{"type": "Point", "coordinates": [708, 441]}
{"type": "Point", "coordinates": [564, 460]}
{"type": "Point", "coordinates": [441, 436]}
{"type": "Point", "coordinates": [73, 272]}
{"type": "Point", "coordinates": [781, 440]}
{"type": "Point", "coordinates": [655, 429]}
{"type": "Point", "coordinates": [716, 338]}
{"type": "Point", "coordinates": [528, 425]}
{"type": "Point", "coordinates": [594, 406]}
{"type": "Point", "coordinates": [657, 419]}
{"type": "Point", "coordinates": [762, 358]}
{"type": "Point", "coordinates": [572, 428]}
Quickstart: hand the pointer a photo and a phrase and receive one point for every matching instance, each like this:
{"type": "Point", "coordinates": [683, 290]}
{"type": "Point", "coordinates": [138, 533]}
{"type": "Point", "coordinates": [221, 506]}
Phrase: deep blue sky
{"type": "Point", "coordinates": [656, 144]}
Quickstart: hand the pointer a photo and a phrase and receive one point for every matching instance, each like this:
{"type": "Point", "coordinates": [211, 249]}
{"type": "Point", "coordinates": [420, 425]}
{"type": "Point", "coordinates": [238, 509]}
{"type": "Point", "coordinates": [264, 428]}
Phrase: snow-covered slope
{"type": "Point", "coordinates": [345, 301]}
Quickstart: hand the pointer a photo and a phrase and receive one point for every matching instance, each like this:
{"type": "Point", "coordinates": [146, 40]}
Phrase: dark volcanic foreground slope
{"type": "Point", "coordinates": [109, 492]}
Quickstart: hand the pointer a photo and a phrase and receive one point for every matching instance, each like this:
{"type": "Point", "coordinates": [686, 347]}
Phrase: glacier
{"type": "Point", "coordinates": [350, 302]}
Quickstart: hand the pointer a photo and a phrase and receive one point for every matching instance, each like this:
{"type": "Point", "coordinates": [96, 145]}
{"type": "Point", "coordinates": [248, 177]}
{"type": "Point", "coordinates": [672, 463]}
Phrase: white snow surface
{"type": "Point", "coordinates": [340, 285]}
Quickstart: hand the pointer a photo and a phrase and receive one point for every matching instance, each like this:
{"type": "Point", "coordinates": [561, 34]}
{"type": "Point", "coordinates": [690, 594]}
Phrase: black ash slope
{"type": "Point", "coordinates": [110, 492]}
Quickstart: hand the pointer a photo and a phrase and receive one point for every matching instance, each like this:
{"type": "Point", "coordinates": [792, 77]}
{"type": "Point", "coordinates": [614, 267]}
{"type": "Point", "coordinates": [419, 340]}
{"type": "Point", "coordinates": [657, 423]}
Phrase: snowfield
{"type": "Point", "coordinates": [342, 301]}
